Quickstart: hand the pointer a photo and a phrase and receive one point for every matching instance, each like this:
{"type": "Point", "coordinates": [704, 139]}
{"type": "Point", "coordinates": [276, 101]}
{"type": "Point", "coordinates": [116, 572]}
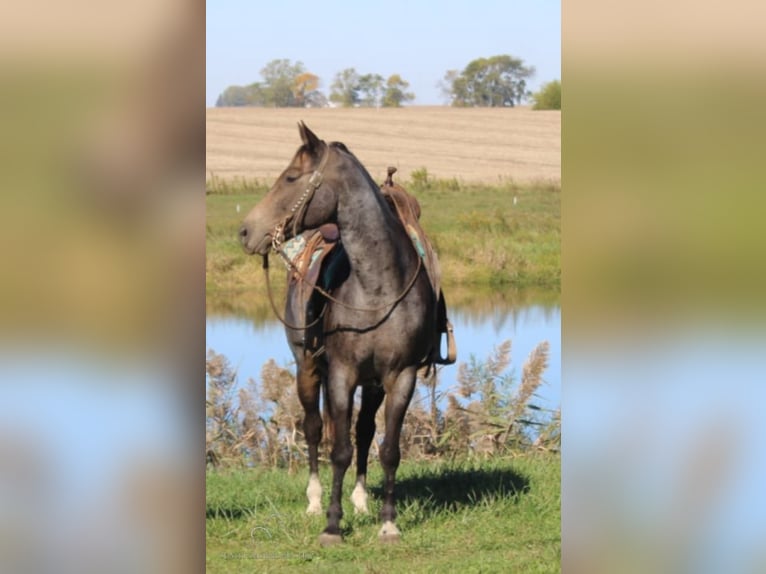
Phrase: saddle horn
{"type": "Point", "coordinates": [389, 180]}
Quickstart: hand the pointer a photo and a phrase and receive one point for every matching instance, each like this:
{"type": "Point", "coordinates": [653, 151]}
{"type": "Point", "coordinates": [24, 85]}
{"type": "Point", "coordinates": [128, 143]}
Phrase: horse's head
{"type": "Point", "coordinates": [300, 199]}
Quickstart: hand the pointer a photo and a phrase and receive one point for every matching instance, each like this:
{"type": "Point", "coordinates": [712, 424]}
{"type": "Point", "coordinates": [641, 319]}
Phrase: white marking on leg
{"type": "Point", "coordinates": [314, 494]}
{"type": "Point", "coordinates": [359, 498]}
{"type": "Point", "coordinates": [388, 529]}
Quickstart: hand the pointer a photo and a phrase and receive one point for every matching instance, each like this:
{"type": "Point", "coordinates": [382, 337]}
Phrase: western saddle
{"type": "Point", "coordinates": [318, 256]}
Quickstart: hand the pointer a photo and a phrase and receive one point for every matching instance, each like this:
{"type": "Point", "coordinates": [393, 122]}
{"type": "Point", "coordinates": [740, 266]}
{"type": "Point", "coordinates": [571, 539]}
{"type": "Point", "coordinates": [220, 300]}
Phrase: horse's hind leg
{"type": "Point", "coordinates": [309, 381]}
{"type": "Point", "coordinates": [398, 397]}
{"type": "Point", "coordinates": [372, 396]}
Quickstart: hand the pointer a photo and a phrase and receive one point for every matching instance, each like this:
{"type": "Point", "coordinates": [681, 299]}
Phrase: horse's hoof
{"type": "Point", "coordinates": [314, 510]}
{"type": "Point", "coordinates": [389, 538]}
{"type": "Point", "coordinates": [389, 533]}
{"type": "Point", "coordinates": [326, 539]}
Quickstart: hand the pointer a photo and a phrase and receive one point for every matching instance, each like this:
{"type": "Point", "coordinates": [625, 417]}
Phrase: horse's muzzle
{"type": "Point", "coordinates": [246, 238]}
{"type": "Point", "coordinates": [243, 234]}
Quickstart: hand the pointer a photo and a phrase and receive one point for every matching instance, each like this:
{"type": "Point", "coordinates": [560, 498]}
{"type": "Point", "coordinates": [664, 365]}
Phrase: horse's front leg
{"type": "Point", "coordinates": [398, 396]}
{"type": "Point", "coordinates": [309, 384]}
{"type": "Point", "coordinates": [372, 397]}
{"type": "Point", "coordinates": [341, 384]}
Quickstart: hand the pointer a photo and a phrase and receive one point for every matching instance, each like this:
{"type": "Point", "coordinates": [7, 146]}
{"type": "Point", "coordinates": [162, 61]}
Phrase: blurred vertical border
{"type": "Point", "coordinates": [102, 288]}
{"type": "Point", "coordinates": [663, 287]}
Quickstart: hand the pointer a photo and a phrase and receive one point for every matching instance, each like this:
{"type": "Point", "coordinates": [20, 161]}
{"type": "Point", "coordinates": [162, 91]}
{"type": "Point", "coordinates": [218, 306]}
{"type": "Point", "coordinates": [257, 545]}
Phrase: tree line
{"type": "Point", "coordinates": [497, 81]}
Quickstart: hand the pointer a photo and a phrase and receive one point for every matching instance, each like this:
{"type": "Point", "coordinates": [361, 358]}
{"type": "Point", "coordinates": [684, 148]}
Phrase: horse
{"type": "Point", "coordinates": [378, 326]}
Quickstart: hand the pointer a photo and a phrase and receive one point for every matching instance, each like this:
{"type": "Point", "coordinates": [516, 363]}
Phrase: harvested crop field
{"type": "Point", "coordinates": [470, 144]}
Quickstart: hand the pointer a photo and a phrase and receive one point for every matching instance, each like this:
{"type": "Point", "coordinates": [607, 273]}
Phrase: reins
{"type": "Point", "coordinates": [274, 307]}
{"type": "Point", "coordinates": [327, 295]}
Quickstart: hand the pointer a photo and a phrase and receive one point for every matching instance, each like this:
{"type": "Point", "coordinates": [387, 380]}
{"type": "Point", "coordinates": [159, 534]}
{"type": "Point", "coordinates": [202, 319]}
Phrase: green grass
{"type": "Point", "coordinates": [495, 515]}
{"type": "Point", "coordinates": [482, 238]}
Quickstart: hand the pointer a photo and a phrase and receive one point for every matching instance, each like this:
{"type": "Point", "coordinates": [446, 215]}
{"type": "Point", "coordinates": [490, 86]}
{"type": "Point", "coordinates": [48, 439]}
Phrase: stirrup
{"type": "Point", "coordinates": [451, 348]}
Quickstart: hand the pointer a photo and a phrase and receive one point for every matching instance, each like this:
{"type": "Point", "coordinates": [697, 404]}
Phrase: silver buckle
{"type": "Point", "coordinates": [316, 179]}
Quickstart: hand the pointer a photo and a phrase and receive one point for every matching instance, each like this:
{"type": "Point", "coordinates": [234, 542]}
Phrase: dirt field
{"type": "Point", "coordinates": [470, 144]}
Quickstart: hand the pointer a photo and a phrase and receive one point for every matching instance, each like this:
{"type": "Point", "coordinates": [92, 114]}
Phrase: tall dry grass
{"type": "Point", "coordinates": [487, 413]}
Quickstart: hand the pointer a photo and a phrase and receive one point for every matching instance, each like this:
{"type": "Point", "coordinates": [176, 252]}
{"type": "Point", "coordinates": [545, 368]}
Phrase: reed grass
{"type": "Point", "coordinates": [488, 412]}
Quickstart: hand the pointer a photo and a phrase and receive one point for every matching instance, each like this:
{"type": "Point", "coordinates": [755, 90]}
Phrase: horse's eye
{"type": "Point", "coordinates": [292, 178]}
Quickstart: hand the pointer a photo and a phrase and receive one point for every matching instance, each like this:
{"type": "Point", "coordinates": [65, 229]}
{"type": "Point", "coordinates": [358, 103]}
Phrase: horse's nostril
{"type": "Point", "coordinates": [243, 233]}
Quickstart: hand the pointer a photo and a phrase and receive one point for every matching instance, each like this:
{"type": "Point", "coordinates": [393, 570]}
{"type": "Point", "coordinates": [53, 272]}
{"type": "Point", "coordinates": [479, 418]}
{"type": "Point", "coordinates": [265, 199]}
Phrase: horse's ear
{"type": "Point", "coordinates": [309, 138]}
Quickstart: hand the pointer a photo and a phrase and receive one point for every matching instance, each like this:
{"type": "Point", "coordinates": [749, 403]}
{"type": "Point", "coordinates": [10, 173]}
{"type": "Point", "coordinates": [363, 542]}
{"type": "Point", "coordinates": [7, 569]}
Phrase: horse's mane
{"type": "Point", "coordinates": [342, 147]}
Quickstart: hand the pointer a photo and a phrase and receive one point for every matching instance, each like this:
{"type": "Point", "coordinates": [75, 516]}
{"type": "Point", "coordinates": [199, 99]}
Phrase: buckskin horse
{"type": "Point", "coordinates": [378, 326]}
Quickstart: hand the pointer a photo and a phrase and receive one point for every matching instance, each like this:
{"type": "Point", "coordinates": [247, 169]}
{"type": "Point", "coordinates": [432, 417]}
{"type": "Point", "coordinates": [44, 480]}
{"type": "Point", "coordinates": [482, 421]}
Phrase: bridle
{"type": "Point", "coordinates": [315, 181]}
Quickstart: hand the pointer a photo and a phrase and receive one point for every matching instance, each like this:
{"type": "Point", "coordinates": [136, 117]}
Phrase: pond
{"type": "Point", "coordinates": [481, 322]}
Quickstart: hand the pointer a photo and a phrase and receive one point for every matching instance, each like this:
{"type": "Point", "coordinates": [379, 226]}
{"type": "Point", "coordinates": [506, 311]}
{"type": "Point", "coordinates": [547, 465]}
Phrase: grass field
{"type": "Point", "coordinates": [471, 144]}
{"type": "Point", "coordinates": [482, 238]}
{"type": "Point", "coordinates": [498, 515]}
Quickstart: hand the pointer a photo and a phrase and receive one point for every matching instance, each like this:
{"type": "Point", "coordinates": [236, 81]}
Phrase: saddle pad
{"type": "Point", "coordinates": [408, 209]}
{"type": "Point", "coordinates": [294, 247]}
{"type": "Point", "coordinates": [295, 251]}
{"type": "Point", "coordinates": [416, 240]}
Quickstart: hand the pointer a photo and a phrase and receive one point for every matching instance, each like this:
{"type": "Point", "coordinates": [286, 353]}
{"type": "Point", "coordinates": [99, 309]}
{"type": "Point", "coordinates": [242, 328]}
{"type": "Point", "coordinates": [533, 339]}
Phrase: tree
{"type": "Point", "coordinates": [446, 85]}
{"type": "Point", "coordinates": [279, 82]}
{"type": "Point", "coordinates": [305, 88]}
{"type": "Point", "coordinates": [233, 96]}
{"type": "Point", "coordinates": [395, 93]}
{"type": "Point", "coordinates": [284, 85]}
{"type": "Point", "coordinates": [315, 99]}
{"type": "Point", "coordinates": [251, 95]}
{"type": "Point", "coordinates": [548, 97]}
{"type": "Point", "coordinates": [489, 82]}
{"type": "Point", "coordinates": [345, 88]}
{"type": "Point", "coordinates": [370, 88]}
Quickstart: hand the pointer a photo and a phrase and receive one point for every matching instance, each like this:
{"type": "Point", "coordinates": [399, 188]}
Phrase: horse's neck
{"type": "Point", "coordinates": [373, 238]}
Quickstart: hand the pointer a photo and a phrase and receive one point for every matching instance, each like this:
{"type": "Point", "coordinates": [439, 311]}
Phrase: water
{"type": "Point", "coordinates": [248, 343]}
